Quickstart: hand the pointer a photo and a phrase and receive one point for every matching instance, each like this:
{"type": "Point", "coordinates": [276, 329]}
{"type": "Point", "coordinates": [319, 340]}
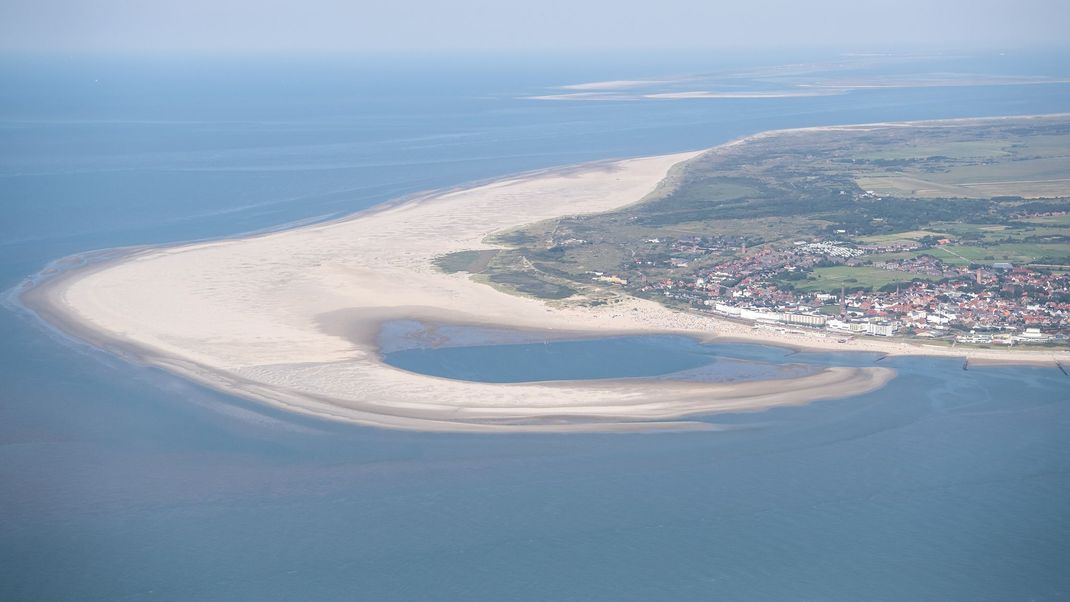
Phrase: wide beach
{"type": "Point", "coordinates": [290, 318]}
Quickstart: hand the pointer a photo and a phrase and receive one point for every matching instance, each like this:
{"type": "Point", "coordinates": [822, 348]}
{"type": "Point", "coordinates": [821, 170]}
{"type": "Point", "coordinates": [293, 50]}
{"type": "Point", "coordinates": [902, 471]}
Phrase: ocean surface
{"type": "Point", "coordinates": [119, 482]}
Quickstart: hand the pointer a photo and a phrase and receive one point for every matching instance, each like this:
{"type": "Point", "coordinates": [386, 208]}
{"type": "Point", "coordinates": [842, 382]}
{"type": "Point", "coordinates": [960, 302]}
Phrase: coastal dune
{"type": "Point", "coordinates": [289, 318]}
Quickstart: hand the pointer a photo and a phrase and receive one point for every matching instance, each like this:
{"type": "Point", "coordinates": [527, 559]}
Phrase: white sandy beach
{"type": "Point", "coordinates": [289, 318]}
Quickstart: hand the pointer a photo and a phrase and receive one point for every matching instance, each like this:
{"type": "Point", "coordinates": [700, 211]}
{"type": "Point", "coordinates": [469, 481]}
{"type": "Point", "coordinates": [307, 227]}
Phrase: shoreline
{"type": "Point", "coordinates": [289, 317]}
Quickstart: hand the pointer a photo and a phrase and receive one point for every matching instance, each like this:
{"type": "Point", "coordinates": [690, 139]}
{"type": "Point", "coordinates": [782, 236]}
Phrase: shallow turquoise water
{"type": "Point", "coordinates": [120, 482]}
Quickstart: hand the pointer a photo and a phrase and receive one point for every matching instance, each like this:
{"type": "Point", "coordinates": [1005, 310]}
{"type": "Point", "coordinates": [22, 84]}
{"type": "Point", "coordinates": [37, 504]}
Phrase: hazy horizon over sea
{"type": "Point", "coordinates": [122, 482]}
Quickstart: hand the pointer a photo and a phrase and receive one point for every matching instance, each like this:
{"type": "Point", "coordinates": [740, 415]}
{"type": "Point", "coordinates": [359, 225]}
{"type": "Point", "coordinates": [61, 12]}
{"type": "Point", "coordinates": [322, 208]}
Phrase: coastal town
{"type": "Point", "coordinates": [983, 302]}
{"type": "Point", "coordinates": [940, 235]}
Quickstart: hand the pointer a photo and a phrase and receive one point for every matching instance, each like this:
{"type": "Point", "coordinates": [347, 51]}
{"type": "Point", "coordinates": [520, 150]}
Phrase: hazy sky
{"type": "Point", "coordinates": [332, 25]}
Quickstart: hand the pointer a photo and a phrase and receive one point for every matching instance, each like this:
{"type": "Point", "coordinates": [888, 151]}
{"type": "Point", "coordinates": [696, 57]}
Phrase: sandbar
{"type": "Point", "coordinates": [289, 318]}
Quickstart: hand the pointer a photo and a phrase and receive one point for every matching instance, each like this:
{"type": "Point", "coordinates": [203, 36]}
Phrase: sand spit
{"type": "Point", "coordinates": [288, 318]}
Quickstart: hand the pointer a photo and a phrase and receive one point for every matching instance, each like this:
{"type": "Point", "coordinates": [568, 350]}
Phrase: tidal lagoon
{"type": "Point", "coordinates": [124, 482]}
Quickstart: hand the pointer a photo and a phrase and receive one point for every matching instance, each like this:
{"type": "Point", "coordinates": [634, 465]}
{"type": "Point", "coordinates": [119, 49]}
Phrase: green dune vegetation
{"type": "Point", "coordinates": [781, 216]}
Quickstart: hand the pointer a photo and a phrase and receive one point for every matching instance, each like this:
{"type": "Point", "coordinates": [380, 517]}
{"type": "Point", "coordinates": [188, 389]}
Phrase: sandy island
{"type": "Point", "coordinates": [290, 318]}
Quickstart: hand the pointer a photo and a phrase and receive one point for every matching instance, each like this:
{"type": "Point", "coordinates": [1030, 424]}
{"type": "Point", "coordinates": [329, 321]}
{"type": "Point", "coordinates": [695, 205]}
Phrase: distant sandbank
{"type": "Point", "coordinates": [289, 318]}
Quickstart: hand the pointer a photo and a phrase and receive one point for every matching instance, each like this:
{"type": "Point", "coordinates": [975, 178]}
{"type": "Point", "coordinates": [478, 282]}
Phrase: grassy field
{"type": "Point", "coordinates": [970, 183]}
{"type": "Point", "coordinates": [1038, 240]}
{"type": "Point", "coordinates": [1054, 220]}
{"type": "Point", "coordinates": [900, 237]}
{"type": "Point", "coordinates": [1017, 253]}
{"type": "Point", "coordinates": [1030, 162]}
{"type": "Point", "coordinates": [830, 280]}
{"type": "Point", "coordinates": [1028, 178]}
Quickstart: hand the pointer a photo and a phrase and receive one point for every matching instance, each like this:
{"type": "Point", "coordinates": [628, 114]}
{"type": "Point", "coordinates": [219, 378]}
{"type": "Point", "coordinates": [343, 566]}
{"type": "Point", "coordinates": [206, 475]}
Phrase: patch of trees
{"type": "Point", "coordinates": [792, 275]}
{"type": "Point", "coordinates": [1042, 206]}
{"type": "Point", "coordinates": [897, 214]}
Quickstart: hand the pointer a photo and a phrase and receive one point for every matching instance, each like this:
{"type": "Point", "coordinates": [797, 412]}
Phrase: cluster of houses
{"type": "Point", "coordinates": [995, 304]}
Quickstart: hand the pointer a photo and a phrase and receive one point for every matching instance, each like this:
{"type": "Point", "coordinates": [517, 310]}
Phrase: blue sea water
{"type": "Point", "coordinates": [122, 482]}
{"type": "Point", "coordinates": [479, 354]}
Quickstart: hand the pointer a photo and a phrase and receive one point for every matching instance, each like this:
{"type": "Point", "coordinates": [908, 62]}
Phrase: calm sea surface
{"type": "Point", "coordinates": [124, 483]}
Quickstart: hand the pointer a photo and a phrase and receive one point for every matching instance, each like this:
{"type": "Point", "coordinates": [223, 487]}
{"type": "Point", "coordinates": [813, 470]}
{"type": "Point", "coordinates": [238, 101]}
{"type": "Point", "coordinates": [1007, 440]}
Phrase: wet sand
{"type": "Point", "coordinates": [289, 318]}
